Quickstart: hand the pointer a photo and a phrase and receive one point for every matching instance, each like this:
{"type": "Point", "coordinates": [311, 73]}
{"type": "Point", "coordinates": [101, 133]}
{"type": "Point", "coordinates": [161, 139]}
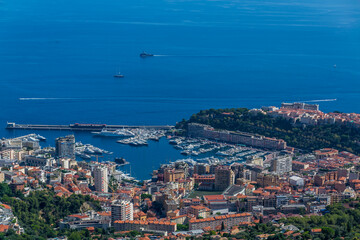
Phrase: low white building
{"type": "Point", "coordinates": [296, 181]}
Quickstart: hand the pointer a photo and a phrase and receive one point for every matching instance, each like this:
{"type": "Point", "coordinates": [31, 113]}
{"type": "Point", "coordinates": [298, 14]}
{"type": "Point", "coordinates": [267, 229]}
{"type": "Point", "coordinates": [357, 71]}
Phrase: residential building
{"type": "Point", "coordinates": [296, 181]}
{"type": "Point", "coordinates": [131, 225]}
{"type": "Point", "coordinates": [121, 210]}
{"type": "Point", "coordinates": [65, 147]}
{"type": "Point", "coordinates": [37, 161]}
{"type": "Point", "coordinates": [282, 164]}
{"type": "Point", "coordinates": [299, 105]}
{"type": "Point", "coordinates": [206, 131]}
{"type": "Point", "coordinates": [172, 174]}
{"type": "Point", "coordinates": [228, 221]}
{"type": "Point", "coordinates": [101, 179]}
{"type": "Point", "coordinates": [267, 180]}
{"type": "Point", "coordinates": [224, 177]}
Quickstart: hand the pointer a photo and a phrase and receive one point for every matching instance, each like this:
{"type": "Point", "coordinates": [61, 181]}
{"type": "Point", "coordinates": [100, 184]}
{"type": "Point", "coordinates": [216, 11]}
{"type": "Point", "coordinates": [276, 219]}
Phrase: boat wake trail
{"type": "Point", "coordinates": [322, 100]}
{"type": "Point", "coordinates": [29, 99]}
{"type": "Point", "coordinates": [193, 56]}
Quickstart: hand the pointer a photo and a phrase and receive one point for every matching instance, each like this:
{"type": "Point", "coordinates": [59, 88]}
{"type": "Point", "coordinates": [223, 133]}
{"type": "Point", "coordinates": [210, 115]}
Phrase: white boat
{"type": "Point", "coordinates": [33, 139]}
{"type": "Point", "coordinates": [89, 150]}
{"type": "Point", "coordinates": [185, 152]}
{"type": "Point", "coordinates": [85, 156]}
{"type": "Point", "coordinates": [41, 138]}
{"type": "Point", "coordinates": [118, 75]}
{"type": "Point", "coordinates": [223, 153]}
{"type": "Point", "coordinates": [116, 133]}
{"type": "Point", "coordinates": [138, 142]}
{"type": "Point", "coordinates": [98, 150]}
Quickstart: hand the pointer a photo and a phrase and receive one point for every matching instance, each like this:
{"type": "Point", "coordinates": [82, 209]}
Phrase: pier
{"type": "Point", "coordinates": [82, 127]}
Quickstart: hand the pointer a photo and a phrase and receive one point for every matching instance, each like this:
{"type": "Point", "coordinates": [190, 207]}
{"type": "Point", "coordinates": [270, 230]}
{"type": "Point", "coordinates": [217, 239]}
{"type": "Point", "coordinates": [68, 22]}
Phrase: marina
{"type": "Point", "coordinates": [140, 136]}
{"type": "Point", "coordinates": [117, 133]}
{"type": "Point", "coordinates": [212, 152]}
{"type": "Point", "coordinates": [141, 159]}
{"type": "Point", "coordinates": [136, 144]}
{"type": "Point", "coordinates": [86, 151]}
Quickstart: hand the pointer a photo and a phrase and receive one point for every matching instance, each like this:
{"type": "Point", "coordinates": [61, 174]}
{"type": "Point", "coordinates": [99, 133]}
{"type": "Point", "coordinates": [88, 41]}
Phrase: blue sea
{"type": "Point", "coordinates": [58, 58]}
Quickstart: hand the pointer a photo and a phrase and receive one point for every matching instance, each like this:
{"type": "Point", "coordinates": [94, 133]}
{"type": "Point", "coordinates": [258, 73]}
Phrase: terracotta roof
{"type": "Point", "coordinates": [104, 213]}
{"type": "Point", "coordinates": [220, 217]}
{"type": "Point", "coordinates": [78, 216]}
{"type": "Point", "coordinates": [4, 228]}
{"type": "Point", "coordinates": [142, 214]}
{"type": "Point", "coordinates": [241, 196]}
{"type": "Point", "coordinates": [214, 197]}
{"type": "Point", "coordinates": [6, 206]}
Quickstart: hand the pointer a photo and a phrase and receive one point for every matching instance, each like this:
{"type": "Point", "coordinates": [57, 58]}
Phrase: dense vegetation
{"type": "Point", "coordinates": [144, 196]}
{"type": "Point", "coordinates": [40, 212]}
{"type": "Point", "coordinates": [339, 223]}
{"type": "Point", "coordinates": [306, 138]}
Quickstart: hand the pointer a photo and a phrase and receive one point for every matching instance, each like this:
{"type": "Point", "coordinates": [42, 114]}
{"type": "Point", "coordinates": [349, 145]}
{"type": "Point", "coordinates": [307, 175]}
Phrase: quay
{"type": "Point", "coordinates": [82, 127]}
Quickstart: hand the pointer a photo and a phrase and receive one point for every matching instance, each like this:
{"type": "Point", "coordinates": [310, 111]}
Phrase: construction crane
{"type": "Point", "coordinates": [97, 157]}
{"type": "Point", "coordinates": [113, 191]}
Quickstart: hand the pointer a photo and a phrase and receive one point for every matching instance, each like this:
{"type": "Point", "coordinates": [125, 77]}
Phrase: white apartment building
{"type": "Point", "coordinates": [101, 179]}
{"type": "Point", "coordinates": [121, 210]}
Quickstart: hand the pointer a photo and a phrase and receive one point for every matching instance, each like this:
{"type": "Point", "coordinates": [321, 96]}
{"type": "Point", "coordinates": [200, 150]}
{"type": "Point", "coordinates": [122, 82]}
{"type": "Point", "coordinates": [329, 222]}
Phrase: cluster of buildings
{"type": "Point", "coordinates": [260, 189]}
{"type": "Point", "coordinates": [8, 220]}
{"type": "Point", "coordinates": [26, 167]}
{"type": "Point", "coordinates": [197, 130]}
{"type": "Point", "coordinates": [245, 193]}
{"type": "Point", "coordinates": [309, 114]}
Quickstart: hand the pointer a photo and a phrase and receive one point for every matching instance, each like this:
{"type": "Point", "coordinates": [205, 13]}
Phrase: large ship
{"type": "Point", "coordinates": [116, 133]}
{"type": "Point", "coordinates": [145, 54]}
{"type": "Point", "coordinates": [87, 126]}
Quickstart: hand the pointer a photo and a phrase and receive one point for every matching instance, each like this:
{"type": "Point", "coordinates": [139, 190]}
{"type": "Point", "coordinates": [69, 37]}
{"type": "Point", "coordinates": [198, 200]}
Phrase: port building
{"type": "Point", "coordinates": [206, 131]}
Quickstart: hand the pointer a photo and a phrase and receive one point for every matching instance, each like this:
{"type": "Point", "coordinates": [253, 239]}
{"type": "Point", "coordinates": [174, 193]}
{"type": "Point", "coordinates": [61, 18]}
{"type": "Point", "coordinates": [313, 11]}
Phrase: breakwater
{"type": "Point", "coordinates": [82, 127]}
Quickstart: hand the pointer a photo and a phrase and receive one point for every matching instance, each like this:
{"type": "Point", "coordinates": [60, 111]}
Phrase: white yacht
{"type": "Point", "coordinates": [41, 138]}
{"type": "Point", "coordinates": [116, 133]}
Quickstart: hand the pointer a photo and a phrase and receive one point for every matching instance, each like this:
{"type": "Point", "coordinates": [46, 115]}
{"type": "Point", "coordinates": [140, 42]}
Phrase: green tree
{"type": "Point", "coordinates": [144, 196]}
{"type": "Point", "coordinates": [328, 232]}
{"type": "Point", "coordinates": [75, 236]}
{"type": "Point", "coordinates": [182, 227]}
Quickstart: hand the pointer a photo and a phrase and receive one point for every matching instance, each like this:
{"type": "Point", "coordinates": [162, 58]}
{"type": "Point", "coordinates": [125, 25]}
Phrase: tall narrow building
{"type": "Point", "coordinates": [281, 164]}
{"type": "Point", "coordinates": [65, 147]}
{"type": "Point", "coordinates": [224, 177]}
{"type": "Point", "coordinates": [101, 179]}
{"type": "Point", "coordinates": [121, 210]}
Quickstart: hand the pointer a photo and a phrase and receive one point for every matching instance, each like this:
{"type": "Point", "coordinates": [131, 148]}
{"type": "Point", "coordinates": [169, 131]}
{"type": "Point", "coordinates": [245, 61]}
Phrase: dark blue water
{"type": "Point", "coordinates": [212, 54]}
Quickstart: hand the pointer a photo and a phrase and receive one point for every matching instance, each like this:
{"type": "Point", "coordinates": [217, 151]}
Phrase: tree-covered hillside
{"type": "Point", "coordinates": [40, 212]}
{"type": "Point", "coordinates": [307, 138]}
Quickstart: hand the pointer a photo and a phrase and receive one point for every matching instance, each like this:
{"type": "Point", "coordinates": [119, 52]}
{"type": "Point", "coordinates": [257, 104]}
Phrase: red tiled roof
{"type": "Point", "coordinates": [4, 228]}
{"type": "Point", "coordinates": [78, 216]}
{"type": "Point", "coordinates": [214, 197]}
{"type": "Point", "coordinates": [6, 206]}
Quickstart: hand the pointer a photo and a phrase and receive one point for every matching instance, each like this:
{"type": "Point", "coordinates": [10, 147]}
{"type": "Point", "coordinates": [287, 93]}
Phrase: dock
{"type": "Point", "coordinates": [82, 127]}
